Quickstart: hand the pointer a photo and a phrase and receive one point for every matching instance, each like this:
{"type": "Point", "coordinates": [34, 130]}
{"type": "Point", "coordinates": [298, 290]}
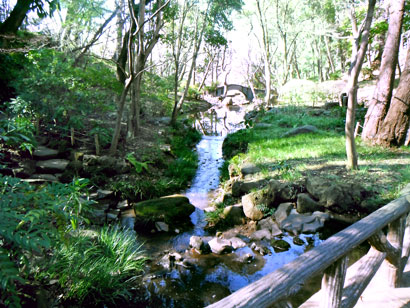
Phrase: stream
{"type": "Point", "coordinates": [205, 279]}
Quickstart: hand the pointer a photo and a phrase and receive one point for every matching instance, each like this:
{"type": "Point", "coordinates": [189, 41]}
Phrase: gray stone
{"type": "Point", "coordinates": [261, 234]}
{"type": "Point", "coordinates": [283, 211]}
{"type": "Point", "coordinates": [312, 227]}
{"type": "Point", "coordinates": [26, 169]}
{"type": "Point", "coordinates": [237, 243]}
{"type": "Point", "coordinates": [337, 197]}
{"type": "Point", "coordinates": [240, 188]}
{"type": "Point", "coordinates": [46, 177]}
{"type": "Point", "coordinates": [269, 224]}
{"type": "Point", "coordinates": [249, 169]}
{"type": "Point", "coordinates": [246, 258]}
{"type": "Point", "coordinates": [305, 204]}
{"type": "Point", "coordinates": [282, 192]}
{"type": "Point", "coordinates": [122, 205]}
{"type": "Point", "coordinates": [250, 204]}
{"type": "Point", "coordinates": [262, 125]}
{"type": "Point", "coordinates": [52, 165]}
{"type": "Point", "coordinates": [44, 153]}
{"type": "Point", "coordinates": [301, 130]}
{"type": "Point", "coordinates": [294, 222]}
{"type": "Point", "coordinates": [161, 226]}
{"type": "Point", "coordinates": [102, 194]}
{"type": "Point", "coordinates": [233, 215]}
{"type": "Point", "coordinates": [107, 165]}
{"type": "Point", "coordinates": [196, 243]}
{"type": "Point", "coordinates": [220, 246]}
{"type": "Point", "coordinates": [262, 250]}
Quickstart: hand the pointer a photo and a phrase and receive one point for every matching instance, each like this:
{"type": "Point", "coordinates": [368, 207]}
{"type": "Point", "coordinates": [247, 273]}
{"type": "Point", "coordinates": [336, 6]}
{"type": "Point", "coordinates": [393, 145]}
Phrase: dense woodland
{"type": "Point", "coordinates": [78, 74]}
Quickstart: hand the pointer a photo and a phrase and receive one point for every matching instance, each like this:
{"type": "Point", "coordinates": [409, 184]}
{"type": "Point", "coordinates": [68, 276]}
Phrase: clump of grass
{"type": "Point", "coordinates": [97, 269]}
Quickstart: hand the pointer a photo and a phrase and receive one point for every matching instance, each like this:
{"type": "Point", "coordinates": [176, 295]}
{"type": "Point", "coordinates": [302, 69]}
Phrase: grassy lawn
{"type": "Point", "coordinates": [384, 171]}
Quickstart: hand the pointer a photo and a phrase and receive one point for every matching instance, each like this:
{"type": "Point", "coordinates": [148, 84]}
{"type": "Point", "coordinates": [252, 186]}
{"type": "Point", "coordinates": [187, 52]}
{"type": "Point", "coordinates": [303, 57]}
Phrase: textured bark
{"type": "Point", "coordinates": [395, 126]}
{"type": "Point", "coordinates": [358, 53]}
{"type": "Point", "coordinates": [384, 87]}
{"type": "Point", "coordinates": [17, 15]}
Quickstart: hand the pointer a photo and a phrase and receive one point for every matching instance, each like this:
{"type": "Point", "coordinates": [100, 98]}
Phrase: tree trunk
{"type": "Point", "coordinates": [395, 126]}
{"type": "Point", "coordinates": [16, 17]}
{"type": "Point", "coordinates": [384, 87]}
{"type": "Point", "coordinates": [359, 52]}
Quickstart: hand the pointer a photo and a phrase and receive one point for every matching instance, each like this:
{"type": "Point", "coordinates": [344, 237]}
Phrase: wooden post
{"type": "Point", "coordinates": [97, 145]}
{"type": "Point", "coordinates": [72, 131]}
{"type": "Point", "coordinates": [356, 130]}
{"type": "Point", "coordinates": [393, 271]}
{"type": "Point", "coordinates": [332, 284]}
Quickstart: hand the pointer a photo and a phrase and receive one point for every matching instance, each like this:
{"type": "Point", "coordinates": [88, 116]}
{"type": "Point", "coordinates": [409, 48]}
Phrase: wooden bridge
{"type": "Point", "coordinates": [382, 267]}
{"type": "Point", "coordinates": [247, 91]}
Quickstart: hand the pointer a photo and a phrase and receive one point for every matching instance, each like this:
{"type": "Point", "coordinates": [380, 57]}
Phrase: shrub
{"type": "Point", "coordinates": [98, 269]}
{"type": "Point", "coordinates": [31, 222]}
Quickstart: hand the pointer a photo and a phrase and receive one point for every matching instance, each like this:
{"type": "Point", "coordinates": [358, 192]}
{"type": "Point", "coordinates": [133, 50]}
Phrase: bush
{"type": "Point", "coordinates": [100, 268]}
{"type": "Point", "coordinates": [31, 222]}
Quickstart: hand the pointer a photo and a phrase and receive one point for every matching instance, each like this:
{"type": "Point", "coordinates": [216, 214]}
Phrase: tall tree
{"type": "Point", "coordinates": [361, 39]}
{"type": "Point", "coordinates": [384, 87]}
{"type": "Point", "coordinates": [393, 129]}
{"type": "Point", "coordinates": [135, 67]}
{"type": "Point", "coordinates": [20, 10]}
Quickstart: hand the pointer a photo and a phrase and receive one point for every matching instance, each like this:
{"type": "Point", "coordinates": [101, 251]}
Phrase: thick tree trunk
{"type": "Point", "coordinates": [17, 15]}
{"type": "Point", "coordinates": [395, 126]}
{"type": "Point", "coordinates": [359, 52]}
{"type": "Point", "coordinates": [384, 87]}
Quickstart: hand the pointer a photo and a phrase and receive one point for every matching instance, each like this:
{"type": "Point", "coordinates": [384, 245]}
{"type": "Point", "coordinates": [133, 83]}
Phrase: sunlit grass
{"type": "Point", "coordinates": [384, 171]}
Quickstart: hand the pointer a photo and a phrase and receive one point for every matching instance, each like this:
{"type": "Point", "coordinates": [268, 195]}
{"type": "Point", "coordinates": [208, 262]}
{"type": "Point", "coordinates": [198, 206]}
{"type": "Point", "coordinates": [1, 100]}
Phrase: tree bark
{"type": "Point", "coordinates": [395, 125]}
{"type": "Point", "coordinates": [16, 17]}
{"type": "Point", "coordinates": [359, 51]}
{"type": "Point", "coordinates": [384, 87]}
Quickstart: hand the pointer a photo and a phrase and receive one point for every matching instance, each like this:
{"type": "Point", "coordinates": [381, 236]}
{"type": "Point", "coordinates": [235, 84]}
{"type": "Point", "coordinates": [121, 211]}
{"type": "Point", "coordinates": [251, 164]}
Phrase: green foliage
{"type": "Point", "coordinates": [16, 126]}
{"type": "Point", "coordinates": [97, 268]}
{"type": "Point", "coordinates": [183, 169]}
{"type": "Point", "coordinates": [265, 210]}
{"type": "Point", "coordinates": [33, 221]}
{"type": "Point", "coordinates": [64, 96]}
{"type": "Point", "coordinates": [138, 166]}
{"type": "Point", "coordinates": [236, 143]}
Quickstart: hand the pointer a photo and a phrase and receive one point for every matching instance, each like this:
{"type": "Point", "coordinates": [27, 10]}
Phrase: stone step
{"type": "Point", "coordinates": [44, 153]}
{"type": "Point", "coordinates": [52, 165]}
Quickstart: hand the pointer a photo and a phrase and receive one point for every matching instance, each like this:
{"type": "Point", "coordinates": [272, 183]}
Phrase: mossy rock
{"type": "Point", "coordinates": [173, 210]}
{"type": "Point", "coordinates": [280, 245]}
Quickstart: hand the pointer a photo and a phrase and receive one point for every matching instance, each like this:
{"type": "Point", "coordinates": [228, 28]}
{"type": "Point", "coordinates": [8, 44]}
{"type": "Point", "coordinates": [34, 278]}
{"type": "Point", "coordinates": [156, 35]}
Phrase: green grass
{"type": "Point", "coordinates": [383, 171]}
{"type": "Point", "coordinates": [97, 267]}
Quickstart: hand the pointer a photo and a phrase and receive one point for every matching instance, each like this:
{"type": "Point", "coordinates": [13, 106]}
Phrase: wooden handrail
{"type": "Point", "coordinates": [274, 289]}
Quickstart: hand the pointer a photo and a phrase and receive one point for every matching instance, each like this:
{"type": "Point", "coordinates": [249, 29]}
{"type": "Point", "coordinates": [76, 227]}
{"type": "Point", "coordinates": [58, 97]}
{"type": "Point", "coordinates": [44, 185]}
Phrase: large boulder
{"type": "Point", "coordinates": [283, 192]}
{"type": "Point", "coordinates": [240, 188]}
{"type": "Point", "coordinates": [305, 204]}
{"type": "Point", "coordinates": [248, 169]}
{"type": "Point", "coordinates": [336, 197]}
{"type": "Point", "coordinates": [269, 224]}
{"type": "Point", "coordinates": [233, 215]}
{"type": "Point", "coordinates": [220, 246]}
{"type": "Point", "coordinates": [304, 223]}
{"type": "Point", "coordinates": [107, 165]}
{"type": "Point", "coordinates": [255, 202]}
{"type": "Point", "coordinates": [173, 210]}
{"type": "Point", "coordinates": [283, 211]}
{"type": "Point", "coordinates": [300, 130]}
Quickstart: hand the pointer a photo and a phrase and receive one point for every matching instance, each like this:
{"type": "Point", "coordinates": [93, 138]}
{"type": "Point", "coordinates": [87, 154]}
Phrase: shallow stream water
{"type": "Point", "coordinates": [211, 277]}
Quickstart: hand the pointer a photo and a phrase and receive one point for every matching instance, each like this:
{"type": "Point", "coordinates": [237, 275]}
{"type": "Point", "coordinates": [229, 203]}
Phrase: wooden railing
{"type": "Point", "coordinates": [341, 287]}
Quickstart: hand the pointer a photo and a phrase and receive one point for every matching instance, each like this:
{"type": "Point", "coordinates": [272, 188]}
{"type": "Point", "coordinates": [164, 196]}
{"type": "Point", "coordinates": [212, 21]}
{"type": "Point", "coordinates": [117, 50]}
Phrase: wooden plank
{"type": "Point", "coordinates": [358, 276]}
{"type": "Point", "coordinates": [287, 280]}
{"type": "Point", "coordinates": [332, 284]}
{"type": "Point", "coordinates": [385, 298]}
